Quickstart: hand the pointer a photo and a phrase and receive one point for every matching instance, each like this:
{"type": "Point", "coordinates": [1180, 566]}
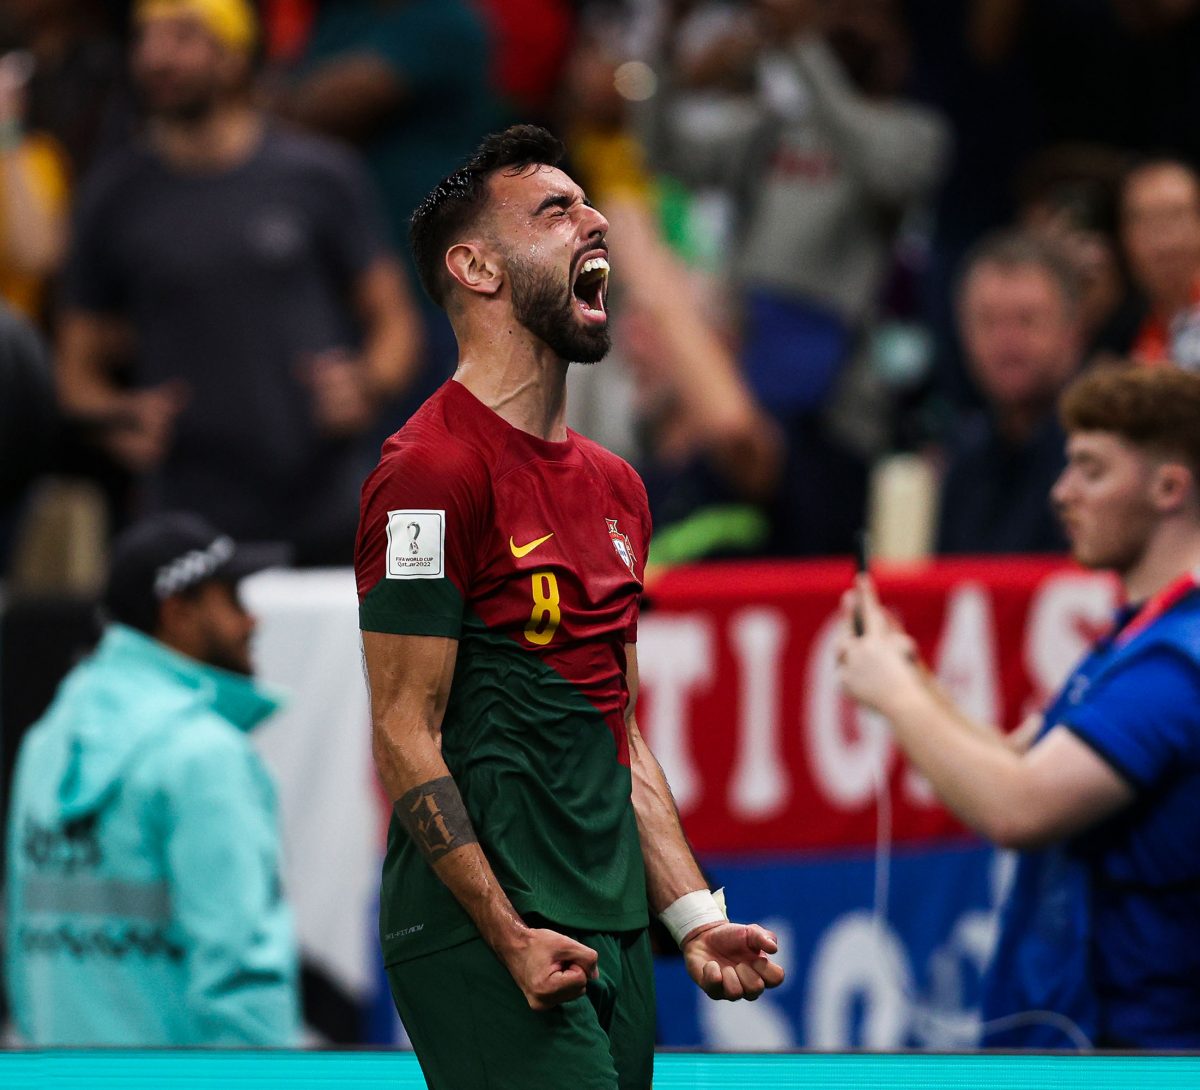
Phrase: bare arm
{"type": "Point", "coordinates": [34, 228]}
{"type": "Point", "coordinates": [1016, 798]}
{"type": "Point", "coordinates": [385, 305]}
{"type": "Point", "coordinates": [32, 219]}
{"type": "Point", "coordinates": [87, 347]}
{"type": "Point", "coordinates": [713, 153]}
{"type": "Point", "coordinates": [135, 426]}
{"type": "Point", "coordinates": [671, 868]}
{"type": "Point", "coordinates": [348, 96]}
{"type": "Point", "coordinates": [1018, 741]}
{"type": "Point", "coordinates": [727, 960]}
{"type": "Point", "coordinates": [409, 679]}
{"type": "Point", "coordinates": [720, 413]}
{"type": "Point", "coordinates": [898, 150]}
{"type": "Point", "coordinates": [348, 390]}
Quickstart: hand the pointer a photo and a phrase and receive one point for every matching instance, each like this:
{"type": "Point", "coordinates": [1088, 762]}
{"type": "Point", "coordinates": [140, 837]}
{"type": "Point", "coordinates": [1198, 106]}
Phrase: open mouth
{"type": "Point", "coordinates": [591, 283]}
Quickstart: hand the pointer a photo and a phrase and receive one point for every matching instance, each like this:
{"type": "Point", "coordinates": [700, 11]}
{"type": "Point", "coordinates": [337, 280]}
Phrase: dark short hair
{"type": "Point", "coordinates": [454, 204]}
{"type": "Point", "coordinates": [1011, 250]}
{"type": "Point", "coordinates": [1154, 408]}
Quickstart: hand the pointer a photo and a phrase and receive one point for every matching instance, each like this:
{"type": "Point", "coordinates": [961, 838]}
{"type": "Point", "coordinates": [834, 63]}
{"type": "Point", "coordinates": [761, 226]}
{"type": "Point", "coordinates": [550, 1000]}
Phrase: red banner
{"type": "Point", "coordinates": [740, 701]}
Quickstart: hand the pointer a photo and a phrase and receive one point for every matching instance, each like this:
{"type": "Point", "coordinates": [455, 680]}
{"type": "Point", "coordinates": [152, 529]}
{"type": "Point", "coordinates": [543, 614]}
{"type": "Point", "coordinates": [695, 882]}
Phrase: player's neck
{"type": "Point", "coordinates": [1173, 550]}
{"type": "Point", "coordinates": [222, 140]}
{"type": "Point", "coordinates": [519, 378]}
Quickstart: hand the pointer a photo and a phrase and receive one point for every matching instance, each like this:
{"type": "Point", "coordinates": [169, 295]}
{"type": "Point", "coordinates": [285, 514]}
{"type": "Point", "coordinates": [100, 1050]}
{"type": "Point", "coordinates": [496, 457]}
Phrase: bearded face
{"type": "Point", "coordinates": [180, 70]}
{"type": "Point", "coordinates": [562, 313]}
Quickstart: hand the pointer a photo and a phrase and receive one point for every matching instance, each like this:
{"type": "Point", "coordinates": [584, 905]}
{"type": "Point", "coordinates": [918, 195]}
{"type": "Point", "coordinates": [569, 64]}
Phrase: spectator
{"type": "Point", "coordinates": [144, 893]}
{"type": "Point", "coordinates": [78, 88]}
{"type": "Point", "coordinates": [270, 323]}
{"type": "Point", "coordinates": [1019, 77]}
{"type": "Point", "coordinates": [713, 455]}
{"type": "Point", "coordinates": [1160, 224]}
{"type": "Point", "coordinates": [33, 195]}
{"type": "Point", "coordinates": [1069, 196]}
{"type": "Point", "coordinates": [1020, 323]}
{"type": "Point", "coordinates": [822, 168]}
{"type": "Point", "coordinates": [405, 82]}
{"type": "Point", "coordinates": [822, 171]}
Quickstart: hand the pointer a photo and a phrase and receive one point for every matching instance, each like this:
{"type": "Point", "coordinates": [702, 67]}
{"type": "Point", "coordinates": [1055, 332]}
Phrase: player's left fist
{"type": "Point", "coordinates": [729, 960]}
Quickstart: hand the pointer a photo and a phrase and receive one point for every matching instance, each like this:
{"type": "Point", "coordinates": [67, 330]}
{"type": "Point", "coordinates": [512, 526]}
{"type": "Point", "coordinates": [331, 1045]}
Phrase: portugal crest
{"type": "Point", "coordinates": [620, 543]}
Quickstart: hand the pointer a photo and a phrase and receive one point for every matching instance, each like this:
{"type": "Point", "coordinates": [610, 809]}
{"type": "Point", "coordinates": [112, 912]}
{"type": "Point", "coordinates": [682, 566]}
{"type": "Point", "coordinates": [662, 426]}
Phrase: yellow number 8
{"type": "Point", "coordinates": [543, 621]}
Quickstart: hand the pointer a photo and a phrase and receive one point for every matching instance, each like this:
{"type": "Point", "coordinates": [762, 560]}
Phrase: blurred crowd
{"type": "Point", "coordinates": [859, 247]}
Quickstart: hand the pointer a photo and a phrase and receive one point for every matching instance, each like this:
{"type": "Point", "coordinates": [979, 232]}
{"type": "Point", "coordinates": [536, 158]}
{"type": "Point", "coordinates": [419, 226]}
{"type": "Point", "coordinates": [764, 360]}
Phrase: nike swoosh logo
{"type": "Point", "coordinates": [524, 550]}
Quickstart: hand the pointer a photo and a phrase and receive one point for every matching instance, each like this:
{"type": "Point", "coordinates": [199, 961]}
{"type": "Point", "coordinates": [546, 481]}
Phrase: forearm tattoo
{"type": "Point", "coordinates": [435, 817]}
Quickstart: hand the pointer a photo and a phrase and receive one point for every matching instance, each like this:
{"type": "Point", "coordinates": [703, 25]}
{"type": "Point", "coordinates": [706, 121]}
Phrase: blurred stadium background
{"type": "Point", "coordinates": [794, 186]}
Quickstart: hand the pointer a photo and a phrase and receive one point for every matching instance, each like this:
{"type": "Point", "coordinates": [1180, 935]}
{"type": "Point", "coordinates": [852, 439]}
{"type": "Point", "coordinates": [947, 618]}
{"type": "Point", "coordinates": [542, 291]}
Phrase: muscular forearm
{"type": "Point", "coordinates": [409, 679]}
{"type": "Point", "coordinates": [728, 961]}
{"type": "Point", "coordinates": [429, 806]}
{"type": "Point", "coordinates": [671, 868]}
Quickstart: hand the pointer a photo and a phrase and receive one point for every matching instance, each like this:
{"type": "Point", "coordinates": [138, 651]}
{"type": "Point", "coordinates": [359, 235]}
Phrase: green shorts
{"type": "Point", "coordinates": [472, 1029]}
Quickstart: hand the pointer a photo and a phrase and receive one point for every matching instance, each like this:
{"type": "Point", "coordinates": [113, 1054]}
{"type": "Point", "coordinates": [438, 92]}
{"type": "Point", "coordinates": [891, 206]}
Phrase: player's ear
{"type": "Point", "coordinates": [1172, 486]}
{"type": "Point", "coordinates": [475, 267]}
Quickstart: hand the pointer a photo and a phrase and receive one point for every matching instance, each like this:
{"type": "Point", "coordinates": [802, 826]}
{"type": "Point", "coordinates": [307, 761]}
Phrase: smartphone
{"type": "Point", "coordinates": [862, 566]}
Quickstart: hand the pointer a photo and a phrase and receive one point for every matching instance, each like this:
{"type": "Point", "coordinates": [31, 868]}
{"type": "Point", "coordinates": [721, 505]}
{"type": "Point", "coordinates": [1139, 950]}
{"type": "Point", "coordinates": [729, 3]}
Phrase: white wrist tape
{"type": "Point", "coordinates": [692, 910]}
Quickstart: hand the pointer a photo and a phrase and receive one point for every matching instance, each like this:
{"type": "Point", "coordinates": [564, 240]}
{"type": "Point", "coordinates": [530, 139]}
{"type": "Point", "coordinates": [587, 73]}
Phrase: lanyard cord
{"type": "Point", "coordinates": [1158, 604]}
{"type": "Point", "coordinates": [883, 868]}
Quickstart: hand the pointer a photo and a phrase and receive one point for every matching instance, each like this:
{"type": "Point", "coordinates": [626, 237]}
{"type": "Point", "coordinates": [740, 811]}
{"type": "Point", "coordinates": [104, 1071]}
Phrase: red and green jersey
{"type": "Point", "coordinates": [530, 553]}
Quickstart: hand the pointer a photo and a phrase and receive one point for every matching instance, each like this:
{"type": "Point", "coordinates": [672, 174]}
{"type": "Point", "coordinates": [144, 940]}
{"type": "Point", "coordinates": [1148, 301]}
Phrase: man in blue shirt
{"type": "Point", "coordinates": [1101, 794]}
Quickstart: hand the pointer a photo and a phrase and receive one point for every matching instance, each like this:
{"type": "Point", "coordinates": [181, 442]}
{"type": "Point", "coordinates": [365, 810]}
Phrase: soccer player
{"type": "Point", "coordinates": [499, 565]}
{"type": "Point", "coordinates": [1101, 794]}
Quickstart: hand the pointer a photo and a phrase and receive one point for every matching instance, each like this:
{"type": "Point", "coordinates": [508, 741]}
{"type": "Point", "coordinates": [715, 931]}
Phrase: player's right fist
{"type": "Point", "coordinates": [551, 968]}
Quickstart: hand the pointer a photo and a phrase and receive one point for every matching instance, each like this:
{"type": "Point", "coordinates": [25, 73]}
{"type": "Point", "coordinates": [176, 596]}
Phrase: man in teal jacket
{"type": "Point", "coordinates": [144, 899]}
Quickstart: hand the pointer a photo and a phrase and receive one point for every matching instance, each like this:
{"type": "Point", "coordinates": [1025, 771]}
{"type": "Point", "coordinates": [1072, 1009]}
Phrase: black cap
{"type": "Point", "coordinates": [170, 553]}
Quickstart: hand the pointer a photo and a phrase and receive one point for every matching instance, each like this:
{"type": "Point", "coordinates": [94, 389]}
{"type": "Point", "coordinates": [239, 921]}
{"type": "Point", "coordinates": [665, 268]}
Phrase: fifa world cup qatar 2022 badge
{"type": "Point", "coordinates": [621, 543]}
{"type": "Point", "coordinates": [416, 541]}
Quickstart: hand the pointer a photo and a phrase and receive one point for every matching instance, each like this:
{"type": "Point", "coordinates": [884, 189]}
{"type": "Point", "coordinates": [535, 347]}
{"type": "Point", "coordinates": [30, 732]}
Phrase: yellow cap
{"type": "Point", "coordinates": [232, 22]}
